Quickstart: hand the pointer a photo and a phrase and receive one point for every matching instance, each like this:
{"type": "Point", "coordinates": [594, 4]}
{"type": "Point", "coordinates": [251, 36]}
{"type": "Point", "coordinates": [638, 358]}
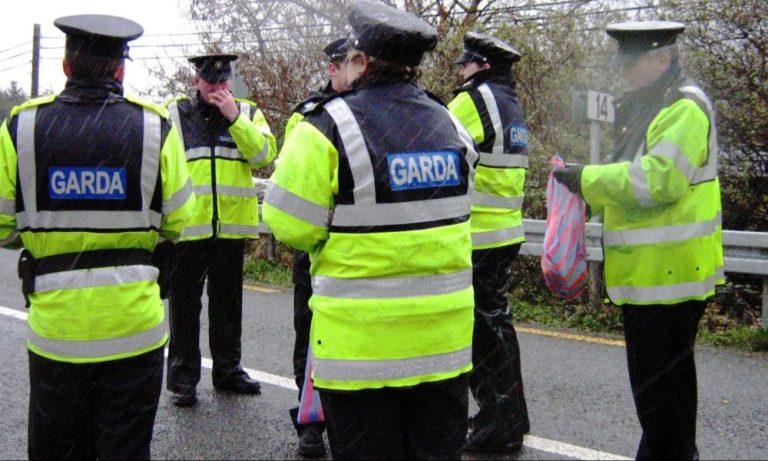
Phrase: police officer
{"type": "Point", "coordinates": [489, 108]}
{"type": "Point", "coordinates": [223, 138]}
{"type": "Point", "coordinates": [662, 232]}
{"type": "Point", "coordinates": [311, 442]}
{"type": "Point", "coordinates": [381, 205]}
{"type": "Point", "coordinates": [90, 178]}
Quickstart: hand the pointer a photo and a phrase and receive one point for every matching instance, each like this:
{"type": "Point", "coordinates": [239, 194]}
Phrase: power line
{"type": "Point", "coordinates": [16, 66]}
{"type": "Point", "coordinates": [14, 47]}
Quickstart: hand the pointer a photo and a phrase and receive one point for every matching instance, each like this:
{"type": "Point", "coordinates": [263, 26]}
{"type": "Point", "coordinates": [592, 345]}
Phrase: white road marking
{"type": "Point", "coordinates": [530, 441]}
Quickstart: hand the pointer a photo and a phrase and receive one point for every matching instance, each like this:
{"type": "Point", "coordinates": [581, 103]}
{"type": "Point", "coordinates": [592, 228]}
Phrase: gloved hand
{"type": "Point", "coordinates": [570, 177]}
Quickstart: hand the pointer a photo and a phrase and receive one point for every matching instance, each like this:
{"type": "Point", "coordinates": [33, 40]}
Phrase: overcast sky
{"type": "Point", "coordinates": [164, 25]}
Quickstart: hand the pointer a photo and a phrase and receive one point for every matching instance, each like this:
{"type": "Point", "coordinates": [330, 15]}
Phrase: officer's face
{"type": "Point", "coordinates": [338, 72]}
{"type": "Point", "coordinates": [646, 69]}
{"type": "Point", "coordinates": [357, 64]}
{"type": "Point", "coordinates": [206, 87]}
{"type": "Point", "coordinates": [470, 68]}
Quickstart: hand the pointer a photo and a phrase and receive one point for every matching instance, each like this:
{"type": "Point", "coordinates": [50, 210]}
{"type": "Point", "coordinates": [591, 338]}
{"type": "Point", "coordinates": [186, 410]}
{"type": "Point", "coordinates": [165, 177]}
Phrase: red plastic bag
{"type": "Point", "coordinates": [310, 408]}
{"type": "Point", "coordinates": [564, 260]}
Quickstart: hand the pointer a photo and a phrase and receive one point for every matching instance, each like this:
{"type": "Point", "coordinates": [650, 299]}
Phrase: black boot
{"type": "Point", "coordinates": [311, 443]}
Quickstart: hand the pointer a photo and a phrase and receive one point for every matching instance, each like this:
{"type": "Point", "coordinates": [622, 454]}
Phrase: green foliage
{"type": "Point", "coordinates": [10, 97]}
{"type": "Point", "coordinates": [744, 338]}
{"type": "Point", "coordinates": [567, 316]}
{"type": "Point", "coordinates": [267, 273]}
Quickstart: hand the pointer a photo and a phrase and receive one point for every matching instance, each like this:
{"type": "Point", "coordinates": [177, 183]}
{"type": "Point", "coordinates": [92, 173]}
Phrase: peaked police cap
{"type": "Point", "coordinates": [336, 50]}
{"type": "Point", "coordinates": [384, 32]}
{"type": "Point", "coordinates": [484, 48]}
{"type": "Point", "coordinates": [99, 35]}
{"type": "Point", "coordinates": [636, 38]}
{"type": "Point", "coordinates": [214, 67]}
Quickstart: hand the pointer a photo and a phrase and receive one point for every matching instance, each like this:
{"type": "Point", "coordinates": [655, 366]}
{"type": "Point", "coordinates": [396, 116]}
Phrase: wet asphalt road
{"type": "Point", "coordinates": [578, 394]}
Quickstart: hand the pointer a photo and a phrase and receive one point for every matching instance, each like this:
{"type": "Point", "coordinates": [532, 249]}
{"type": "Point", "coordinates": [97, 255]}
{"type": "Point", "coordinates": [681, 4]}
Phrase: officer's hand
{"type": "Point", "coordinates": [224, 100]}
{"type": "Point", "coordinates": [570, 177]}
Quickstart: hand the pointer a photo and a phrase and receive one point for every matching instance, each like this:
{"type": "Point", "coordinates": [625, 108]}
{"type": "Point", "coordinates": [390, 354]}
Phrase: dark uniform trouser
{"type": "Point", "coordinates": [100, 410]}
{"type": "Point", "coordinates": [496, 380]}
{"type": "Point", "coordinates": [427, 421]}
{"type": "Point", "coordinates": [221, 261]}
{"type": "Point", "coordinates": [302, 321]}
{"type": "Point", "coordinates": [662, 374]}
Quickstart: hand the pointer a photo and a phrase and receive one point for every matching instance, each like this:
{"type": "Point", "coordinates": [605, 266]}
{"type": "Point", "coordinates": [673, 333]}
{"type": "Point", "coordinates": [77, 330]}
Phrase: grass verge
{"type": "Point", "coordinates": [267, 273]}
{"type": "Point", "coordinates": [713, 331]}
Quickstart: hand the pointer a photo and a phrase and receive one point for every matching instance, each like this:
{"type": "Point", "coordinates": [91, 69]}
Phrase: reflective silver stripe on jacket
{"type": "Point", "coordinates": [205, 230]}
{"type": "Point", "coordinates": [97, 277]}
{"type": "Point", "coordinates": [238, 229]}
{"type": "Point", "coordinates": [471, 155]}
{"type": "Point", "coordinates": [91, 219]}
{"type": "Point", "coordinates": [357, 152]}
{"type": "Point", "coordinates": [228, 153]}
{"type": "Point", "coordinates": [383, 214]}
{"type": "Point", "coordinates": [178, 198]}
{"type": "Point", "coordinates": [380, 370]}
{"type": "Point", "coordinates": [665, 292]}
{"type": "Point", "coordinates": [246, 110]}
{"type": "Point", "coordinates": [493, 113]}
{"type": "Point", "coordinates": [98, 347]}
{"type": "Point", "coordinates": [496, 201]}
{"type": "Point", "coordinates": [173, 111]}
{"type": "Point", "coordinates": [662, 234]}
{"type": "Point", "coordinates": [207, 189]}
{"type": "Point", "coordinates": [708, 171]}
{"type": "Point", "coordinates": [197, 153]}
{"type": "Point", "coordinates": [7, 206]}
{"type": "Point", "coordinates": [204, 153]}
{"type": "Point", "coordinates": [290, 203]}
{"type": "Point", "coordinates": [504, 160]}
{"type": "Point", "coordinates": [392, 287]}
{"type": "Point", "coordinates": [197, 231]}
{"type": "Point", "coordinates": [502, 235]}
{"type": "Point", "coordinates": [257, 159]}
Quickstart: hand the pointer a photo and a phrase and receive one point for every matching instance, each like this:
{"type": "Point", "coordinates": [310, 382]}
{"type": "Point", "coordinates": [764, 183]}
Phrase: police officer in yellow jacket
{"type": "Point", "coordinates": [381, 204]}
{"type": "Point", "coordinates": [89, 179]}
{"type": "Point", "coordinates": [662, 231]}
{"type": "Point", "coordinates": [311, 442]}
{"type": "Point", "coordinates": [224, 138]}
{"type": "Point", "coordinates": [488, 106]}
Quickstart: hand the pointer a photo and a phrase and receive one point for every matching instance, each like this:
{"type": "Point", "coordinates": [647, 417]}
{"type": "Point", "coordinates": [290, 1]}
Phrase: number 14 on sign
{"type": "Point", "coordinates": [600, 107]}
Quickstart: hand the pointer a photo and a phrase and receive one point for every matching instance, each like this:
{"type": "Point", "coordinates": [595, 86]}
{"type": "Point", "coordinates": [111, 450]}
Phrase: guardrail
{"type": "Point", "coordinates": [744, 252]}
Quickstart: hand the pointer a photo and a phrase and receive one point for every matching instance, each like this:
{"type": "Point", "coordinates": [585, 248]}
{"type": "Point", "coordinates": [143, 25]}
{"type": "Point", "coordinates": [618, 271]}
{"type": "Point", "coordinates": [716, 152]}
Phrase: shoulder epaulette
{"type": "Point", "coordinates": [175, 99]}
{"type": "Point", "coordinates": [247, 101]}
{"type": "Point", "coordinates": [434, 97]}
{"type": "Point", "coordinates": [157, 108]}
{"type": "Point", "coordinates": [42, 100]}
{"type": "Point", "coordinates": [323, 101]}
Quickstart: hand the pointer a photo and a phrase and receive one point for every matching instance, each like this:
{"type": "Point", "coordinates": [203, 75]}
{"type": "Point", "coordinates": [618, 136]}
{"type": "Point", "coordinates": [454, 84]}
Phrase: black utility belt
{"type": "Point", "coordinates": [30, 267]}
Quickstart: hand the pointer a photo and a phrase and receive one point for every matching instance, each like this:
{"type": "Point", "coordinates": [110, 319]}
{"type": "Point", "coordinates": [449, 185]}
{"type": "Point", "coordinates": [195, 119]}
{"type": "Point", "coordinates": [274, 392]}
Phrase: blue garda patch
{"type": "Point", "coordinates": [518, 135]}
{"type": "Point", "coordinates": [421, 170]}
{"type": "Point", "coordinates": [96, 183]}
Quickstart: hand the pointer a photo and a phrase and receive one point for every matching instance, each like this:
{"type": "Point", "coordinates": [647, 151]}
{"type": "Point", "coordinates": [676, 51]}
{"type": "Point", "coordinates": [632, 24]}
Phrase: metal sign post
{"type": "Point", "coordinates": [599, 110]}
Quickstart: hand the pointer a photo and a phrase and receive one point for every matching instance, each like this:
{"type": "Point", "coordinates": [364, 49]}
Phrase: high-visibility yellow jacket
{"type": "Point", "coordinates": [490, 110]}
{"type": "Point", "coordinates": [381, 205]}
{"type": "Point", "coordinates": [220, 157]}
{"type": "Point", "coordinates": [90, 187]}
{"type": "Point", "coordinates": [662, 231]}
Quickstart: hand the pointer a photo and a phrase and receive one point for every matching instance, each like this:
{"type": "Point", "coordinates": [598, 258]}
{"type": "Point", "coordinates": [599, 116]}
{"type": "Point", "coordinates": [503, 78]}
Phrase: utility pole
{"type": "Point", "coordinates": [35, 61]}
